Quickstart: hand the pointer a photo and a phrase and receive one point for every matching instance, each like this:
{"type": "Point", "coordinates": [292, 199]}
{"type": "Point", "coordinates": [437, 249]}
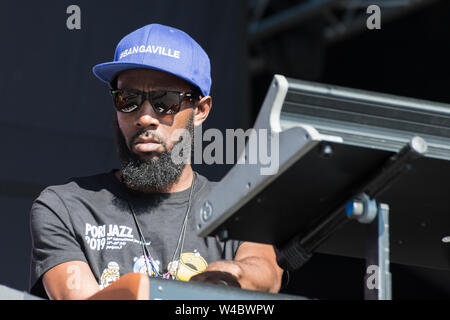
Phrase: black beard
{"type": "Point", "coordinates": [158, 173]}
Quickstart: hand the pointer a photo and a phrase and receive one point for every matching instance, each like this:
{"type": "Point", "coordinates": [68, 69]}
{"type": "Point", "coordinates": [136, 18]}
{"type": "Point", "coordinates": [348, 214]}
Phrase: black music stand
{"type": "Point", "coordinates": [332, 165]}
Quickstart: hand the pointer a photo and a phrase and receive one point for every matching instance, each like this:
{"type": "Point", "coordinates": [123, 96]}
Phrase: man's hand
{"type": "Point", "coordinates": [217, 277]}
{"type": "Point", "coordinates": [254, 267]}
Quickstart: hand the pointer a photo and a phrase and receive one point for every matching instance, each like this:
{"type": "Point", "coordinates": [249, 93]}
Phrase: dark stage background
{"type": "Point", "coordinates": [56, 117]}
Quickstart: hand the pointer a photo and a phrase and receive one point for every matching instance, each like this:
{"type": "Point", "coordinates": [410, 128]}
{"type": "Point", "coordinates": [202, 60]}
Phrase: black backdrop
{"type": "Point", "coordinates": [56, 117]}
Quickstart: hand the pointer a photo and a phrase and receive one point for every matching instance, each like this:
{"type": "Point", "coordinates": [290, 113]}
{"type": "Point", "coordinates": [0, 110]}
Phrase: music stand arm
{"type": "Point", "coordinates": [378, 278]}
{"type": "Point", "coordinates": [298, 250]}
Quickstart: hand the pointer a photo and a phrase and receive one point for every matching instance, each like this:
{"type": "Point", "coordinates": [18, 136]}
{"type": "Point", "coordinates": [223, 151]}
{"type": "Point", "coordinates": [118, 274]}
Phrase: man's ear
{"type": "Point", "coordinates": [201, 110]}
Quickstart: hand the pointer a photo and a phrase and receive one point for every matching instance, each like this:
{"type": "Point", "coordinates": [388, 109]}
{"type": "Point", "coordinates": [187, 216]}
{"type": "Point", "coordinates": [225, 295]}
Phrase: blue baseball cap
{"type": "Point", "coordinates": [160, 47]}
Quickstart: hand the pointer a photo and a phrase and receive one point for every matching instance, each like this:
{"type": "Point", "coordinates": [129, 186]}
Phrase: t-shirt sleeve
{"type": "Point", "coordinates": [53, 238]}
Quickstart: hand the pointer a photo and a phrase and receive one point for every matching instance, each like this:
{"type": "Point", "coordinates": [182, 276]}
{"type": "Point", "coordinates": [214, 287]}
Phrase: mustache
{"type": "Point", "coordinates": [145, 133]}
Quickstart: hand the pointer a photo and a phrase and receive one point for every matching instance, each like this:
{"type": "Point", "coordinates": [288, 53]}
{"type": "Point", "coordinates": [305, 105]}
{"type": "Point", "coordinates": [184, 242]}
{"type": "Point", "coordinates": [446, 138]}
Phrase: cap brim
{"type": "Point", "coordinates": [107, 71]}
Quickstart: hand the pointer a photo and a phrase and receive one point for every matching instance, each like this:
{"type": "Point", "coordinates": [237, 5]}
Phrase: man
{"type": "Point", "coordinates": [90, 231]}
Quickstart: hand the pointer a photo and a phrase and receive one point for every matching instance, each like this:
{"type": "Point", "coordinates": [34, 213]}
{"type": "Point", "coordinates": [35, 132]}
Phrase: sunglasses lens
{"type": "Point", "coordinates": [163, 102]}
{"type": "Point", "coordinates": [126, 101]}
{"type": "Point", "coordinates": [166, 102]}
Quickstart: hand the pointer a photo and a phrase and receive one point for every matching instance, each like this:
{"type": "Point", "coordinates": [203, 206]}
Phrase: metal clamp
{"type": "Point", "coordinates": [362, 208]}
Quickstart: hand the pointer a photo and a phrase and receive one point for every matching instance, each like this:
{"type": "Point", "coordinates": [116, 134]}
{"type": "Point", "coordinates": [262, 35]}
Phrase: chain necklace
{"type": "Point", "coordinates": [181, 237]}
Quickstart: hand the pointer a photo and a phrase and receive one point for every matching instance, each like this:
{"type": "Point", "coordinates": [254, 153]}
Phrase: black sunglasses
{"type": "Point", "coordinates": [163, 102]}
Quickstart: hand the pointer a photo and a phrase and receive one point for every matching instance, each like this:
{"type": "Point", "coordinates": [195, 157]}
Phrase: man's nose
{"type": "Point", "coordinates": [147, 117]}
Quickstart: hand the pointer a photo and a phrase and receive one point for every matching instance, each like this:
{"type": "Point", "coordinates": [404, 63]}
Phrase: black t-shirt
{"type": "Point", "coordinates": [89, 219]}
